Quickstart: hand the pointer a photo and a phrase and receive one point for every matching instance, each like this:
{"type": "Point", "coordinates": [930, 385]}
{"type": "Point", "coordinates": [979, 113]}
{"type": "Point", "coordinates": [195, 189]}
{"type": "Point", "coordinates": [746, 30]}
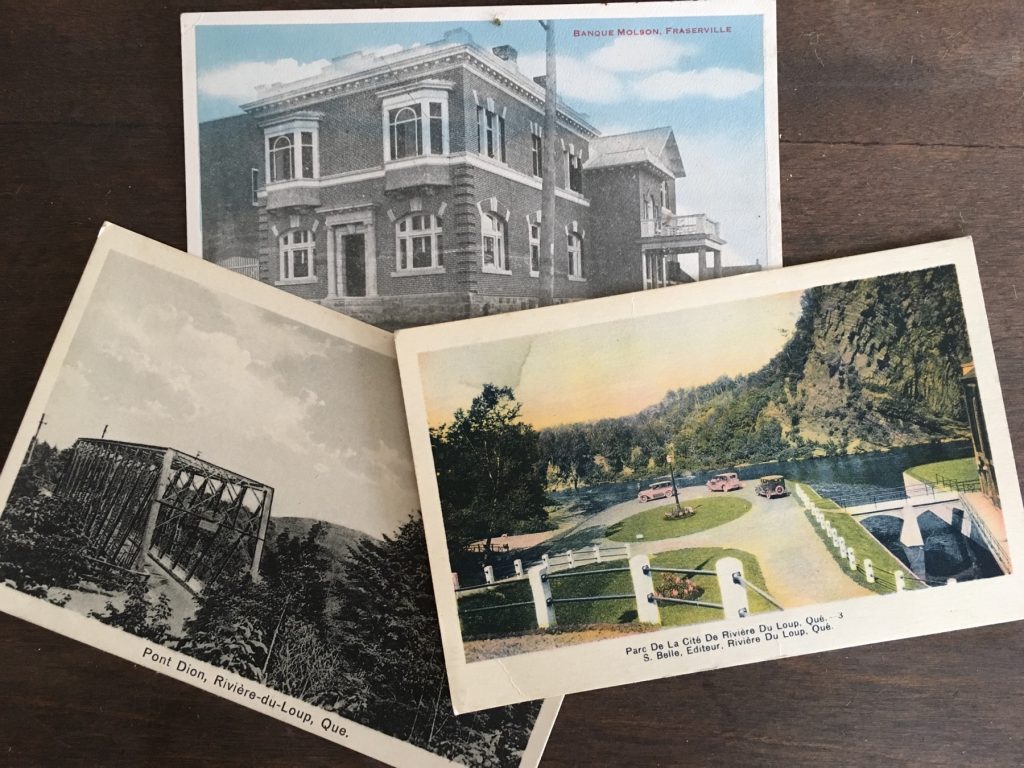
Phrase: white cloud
{"type": "Point", "coordinates": [237, 82]}
{"type": "Point", "coordinates": [714, 83]}
{"type": "Point", "coordinates": [634, 54]}
{"type": "Point", "coordinates": [577, 80]}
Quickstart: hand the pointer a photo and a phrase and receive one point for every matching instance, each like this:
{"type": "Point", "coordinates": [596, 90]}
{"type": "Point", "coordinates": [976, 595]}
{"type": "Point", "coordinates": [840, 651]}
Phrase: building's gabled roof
{"type": "Point", "coordinates": [656, 147]}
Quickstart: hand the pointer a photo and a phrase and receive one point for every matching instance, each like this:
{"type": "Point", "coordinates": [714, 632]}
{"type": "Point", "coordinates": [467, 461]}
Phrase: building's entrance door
{"type": "Point", "coordinates": [353, 249]}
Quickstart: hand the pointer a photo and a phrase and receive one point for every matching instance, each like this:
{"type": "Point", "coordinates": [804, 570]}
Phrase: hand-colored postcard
{"type": "Point", "coordinates": [416, 165]}
{"type": "Point", "coordinates": [709, 475]}
{"type": "Point", "coordinates": [213, 481]}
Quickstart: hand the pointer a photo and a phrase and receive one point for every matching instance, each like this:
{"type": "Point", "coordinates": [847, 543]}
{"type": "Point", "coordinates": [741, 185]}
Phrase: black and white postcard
{"type": "Point", "coordinates": [213, 480]}
{"type": "Point", "coordinates": [417, 165]}
{"type": "Point", "coordinates": [710, 475]}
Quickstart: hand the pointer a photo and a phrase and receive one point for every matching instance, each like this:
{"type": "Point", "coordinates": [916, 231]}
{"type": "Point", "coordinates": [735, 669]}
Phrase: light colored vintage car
{"type": "Point", "coordinates": [658, 490]}
{"type": "Point", "coordinates": [725, 481]}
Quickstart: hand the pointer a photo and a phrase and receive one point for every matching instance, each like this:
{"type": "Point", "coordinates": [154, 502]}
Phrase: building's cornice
{"type": "Point", "coordinates": [310, 91]}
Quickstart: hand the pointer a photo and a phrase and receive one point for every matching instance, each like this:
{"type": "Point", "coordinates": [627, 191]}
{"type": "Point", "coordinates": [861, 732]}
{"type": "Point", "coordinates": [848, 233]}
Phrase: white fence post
{"type": "Point", "coordinates": [597, 553]}
{"type": "Point", "coordinates": [628, 550]}
{"type": "Point", "coordinates": [518, 564]}
{"type": "Point", "coordinates": [569, 558]}
{"type": "Point", "coordinates": [901, 581]}
{"type": "Point", "coordinates": [489, 574]}
{"type": "Point", "coordinates": [852, 558]}
{"type": "Point", "coordinates": [869, 571]}
{"type": "Point", "coordinates": [643, 587]}
{"type": "Point", "coordinates": [730, 584]}
{"type": "Point", "coordinates": [544, 559]}
{"type": "Point", "coordinates": [540, 588]}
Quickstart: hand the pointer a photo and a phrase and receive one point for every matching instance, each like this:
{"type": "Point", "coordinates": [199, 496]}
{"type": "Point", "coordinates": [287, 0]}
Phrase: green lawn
{"type": "Point", "coordinates": [956, 470]}
{"type": "Point", "coordinates": [819, 501]}
{"type": "Point", "coordinates": [711, 511]}
{"type": "Point", "coordinates": [518, 620]}
{"type": "Point", "coordinates": [864, 545]}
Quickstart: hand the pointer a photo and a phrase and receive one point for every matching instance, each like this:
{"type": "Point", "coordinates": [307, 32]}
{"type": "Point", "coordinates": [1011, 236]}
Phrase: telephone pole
{"type": "Point", "coordinates": [34, 441]}
{"type": "Point", "coordinates": [548, 177]}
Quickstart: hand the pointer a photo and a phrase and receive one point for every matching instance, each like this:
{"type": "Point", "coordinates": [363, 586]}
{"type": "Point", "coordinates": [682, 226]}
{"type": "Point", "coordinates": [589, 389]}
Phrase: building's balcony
{"type": "Point", "coordinates": [295, 193]}
{"type": "Point", "coordinates": [688, 230]}
{"type": "Point", "coordinates": [417, 172]}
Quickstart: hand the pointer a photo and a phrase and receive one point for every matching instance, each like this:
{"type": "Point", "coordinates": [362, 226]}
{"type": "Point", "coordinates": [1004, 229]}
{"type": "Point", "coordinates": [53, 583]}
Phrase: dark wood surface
{"type": "Point", "coordinates": [901, 122]}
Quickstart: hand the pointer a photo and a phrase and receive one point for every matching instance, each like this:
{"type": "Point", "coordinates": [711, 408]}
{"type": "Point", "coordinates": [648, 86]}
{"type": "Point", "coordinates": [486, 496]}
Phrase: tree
{"type": "Point", "coordinates": [489, 473]}
{"type": "Point", "coordinates": [387, 632]}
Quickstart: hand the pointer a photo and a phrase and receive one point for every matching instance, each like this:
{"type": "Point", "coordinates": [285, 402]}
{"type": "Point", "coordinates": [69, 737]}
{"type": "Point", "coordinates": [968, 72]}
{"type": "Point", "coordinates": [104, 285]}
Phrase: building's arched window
{"type": "Point", "coordinates": [575, 250]}
{"type": "Point", "coordinates": [492, 235]}
{"type": "Point", "coordinates": [415, 123]}
{"type": "Point", "coordinates": [418, 242]}
{"type": "Point", "coordinates": [405, 132]}
{"type": "Point", "coordinates": [648, 207]}
{"type": "Point", "coordinates": [297, 247]}
{"type": "Point", "coordinates": [664, 195]}
{"type": "Point", "coordinates": [282, 167]}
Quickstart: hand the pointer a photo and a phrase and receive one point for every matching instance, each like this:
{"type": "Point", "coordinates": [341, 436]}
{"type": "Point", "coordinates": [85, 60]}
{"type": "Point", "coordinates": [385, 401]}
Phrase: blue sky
{"type": "Point", "coordinates": [707, 87]}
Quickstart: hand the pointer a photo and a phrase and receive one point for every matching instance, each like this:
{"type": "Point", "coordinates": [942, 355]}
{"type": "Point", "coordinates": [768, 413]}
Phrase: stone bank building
{"type": "Point", "coordinates": [406, 189]}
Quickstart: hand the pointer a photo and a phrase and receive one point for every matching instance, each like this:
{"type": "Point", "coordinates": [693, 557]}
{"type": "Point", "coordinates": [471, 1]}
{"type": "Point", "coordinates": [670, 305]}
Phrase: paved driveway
{"type": "Point", "coordinates": [797, 566]}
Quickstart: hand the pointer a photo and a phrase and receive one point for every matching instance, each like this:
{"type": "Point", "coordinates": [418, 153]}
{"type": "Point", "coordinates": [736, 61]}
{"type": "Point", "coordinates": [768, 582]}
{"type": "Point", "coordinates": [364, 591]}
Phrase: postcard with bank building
{"type": "Point", "coordinates": [710, 475]}
{"type": "Point", "coordinates": [213, 480]}
{"type": "Point", "coordinates": [412, 166]}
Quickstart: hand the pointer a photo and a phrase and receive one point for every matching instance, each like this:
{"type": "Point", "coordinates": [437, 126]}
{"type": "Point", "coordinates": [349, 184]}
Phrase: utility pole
{"type": "Point", "coordinates": [34, 441]}
{"type": "Point", "coordinates": [548, 174]}
{"type": "Point", "coordinates": [671, 460]}
{"type": "Point", "coordinates": [104, 431]}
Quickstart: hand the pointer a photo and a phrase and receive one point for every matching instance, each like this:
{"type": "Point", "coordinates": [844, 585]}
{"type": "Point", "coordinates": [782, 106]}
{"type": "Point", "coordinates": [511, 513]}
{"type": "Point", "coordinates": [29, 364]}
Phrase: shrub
{"type": "Point", "coordinates": [678, 587]}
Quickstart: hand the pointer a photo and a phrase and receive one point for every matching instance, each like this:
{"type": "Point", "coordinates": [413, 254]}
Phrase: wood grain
{"type": "Point", "coordinates": [900, 122]}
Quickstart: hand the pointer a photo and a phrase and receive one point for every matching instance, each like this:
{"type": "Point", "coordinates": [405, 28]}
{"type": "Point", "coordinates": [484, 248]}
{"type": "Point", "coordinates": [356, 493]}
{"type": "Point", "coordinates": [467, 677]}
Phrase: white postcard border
{"type": "Point", "coordinates": [603, 663]}
{"type": "Point", "coordinates": [764, 8]}
{"type": "Point", "coordinates": [360, 738]}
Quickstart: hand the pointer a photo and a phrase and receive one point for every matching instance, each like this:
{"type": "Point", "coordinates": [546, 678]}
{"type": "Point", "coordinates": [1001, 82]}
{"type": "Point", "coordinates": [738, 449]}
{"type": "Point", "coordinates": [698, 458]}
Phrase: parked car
{"type": "Point", "coordinates": [725, 481]}
{"type": "Point", "coordinates": [659, 489]}
{"type": "Point", "coordinates": [772, 486]}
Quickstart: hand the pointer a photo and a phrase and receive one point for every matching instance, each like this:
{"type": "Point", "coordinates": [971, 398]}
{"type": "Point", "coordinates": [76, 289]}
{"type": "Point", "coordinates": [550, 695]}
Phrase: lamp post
{"type": "Point", "coordinates": [671, 458]}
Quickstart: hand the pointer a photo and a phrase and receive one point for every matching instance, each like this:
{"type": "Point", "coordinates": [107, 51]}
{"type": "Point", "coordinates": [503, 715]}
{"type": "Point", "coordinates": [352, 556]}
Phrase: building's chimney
{"type": "Point", "coordinates": [506, 53]}
{"type": "Point", "coordinates": [541, 80]}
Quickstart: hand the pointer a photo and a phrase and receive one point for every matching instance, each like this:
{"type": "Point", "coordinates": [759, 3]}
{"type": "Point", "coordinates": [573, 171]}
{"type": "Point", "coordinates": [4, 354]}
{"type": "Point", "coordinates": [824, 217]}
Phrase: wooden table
{"type": "Point", "coordinates": [901, 123]}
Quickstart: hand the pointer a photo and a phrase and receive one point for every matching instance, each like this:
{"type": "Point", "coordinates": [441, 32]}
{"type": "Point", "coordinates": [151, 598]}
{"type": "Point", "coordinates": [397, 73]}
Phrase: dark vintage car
{"type": "Point", "coordinates": [772, 486]}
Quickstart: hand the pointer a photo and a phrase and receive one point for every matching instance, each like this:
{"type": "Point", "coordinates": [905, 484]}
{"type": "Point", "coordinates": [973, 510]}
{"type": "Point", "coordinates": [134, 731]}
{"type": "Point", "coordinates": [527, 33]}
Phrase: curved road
{"type": "Point", "coordinates": [797, 566]}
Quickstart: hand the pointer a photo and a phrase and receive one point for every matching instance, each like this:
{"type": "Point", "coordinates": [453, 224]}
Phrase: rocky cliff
{"type": "Point", "coordinates": [876, 363]}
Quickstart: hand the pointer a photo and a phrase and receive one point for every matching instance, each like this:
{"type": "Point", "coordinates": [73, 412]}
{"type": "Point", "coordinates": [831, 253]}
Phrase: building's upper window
{"type": "Point", "coordinates": [575, 249]}
{"type": "Point", "coordinates": [495, 251]}
{"type": "Point", "coordinates": [292, 151]}
{"type": "Point", "coordinates": [535, 249]}
{"type": "Point", "coordinates": [254, 185]}
{"type": "Point", "coordinates": [648, 207]}
{"type": "Point", "coordinates": [415, 124]}
{"type": "Point", "coordinates": [281, 158]}
{"type": "Point", "coordinates": [538, 155]}
{"type": "Point", "coordinates": [418, 242]}
{"type": "Point", "coordinates": [490, 129]}
{"type": "Point", "coordinates": [664, 194]}
{"type": "Point", "coordinates": [575, 172]}
{"type": "Point", "coordinates": [297, 248]}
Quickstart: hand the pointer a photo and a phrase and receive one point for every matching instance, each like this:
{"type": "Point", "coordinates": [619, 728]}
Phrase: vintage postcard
{"type": "Point", "coordinates": [213, 480]}
{"type": "Point", "coordinates": [411, 166]}
{"type": "Point", "coordinates": [710, 475]}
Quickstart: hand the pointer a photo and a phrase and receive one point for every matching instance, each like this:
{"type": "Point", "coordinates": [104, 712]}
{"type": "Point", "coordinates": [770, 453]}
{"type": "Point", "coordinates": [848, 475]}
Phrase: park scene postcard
{"type": "Point", "coordinates": [213, 481]}
{"type": "Point", "coordinates": [710, 475]}
{"type": "Point", "coordinates": [418, 165]}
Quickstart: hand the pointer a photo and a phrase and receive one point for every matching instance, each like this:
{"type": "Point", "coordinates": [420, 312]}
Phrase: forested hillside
{"type": "Point", "coordinates": [870, 364]}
